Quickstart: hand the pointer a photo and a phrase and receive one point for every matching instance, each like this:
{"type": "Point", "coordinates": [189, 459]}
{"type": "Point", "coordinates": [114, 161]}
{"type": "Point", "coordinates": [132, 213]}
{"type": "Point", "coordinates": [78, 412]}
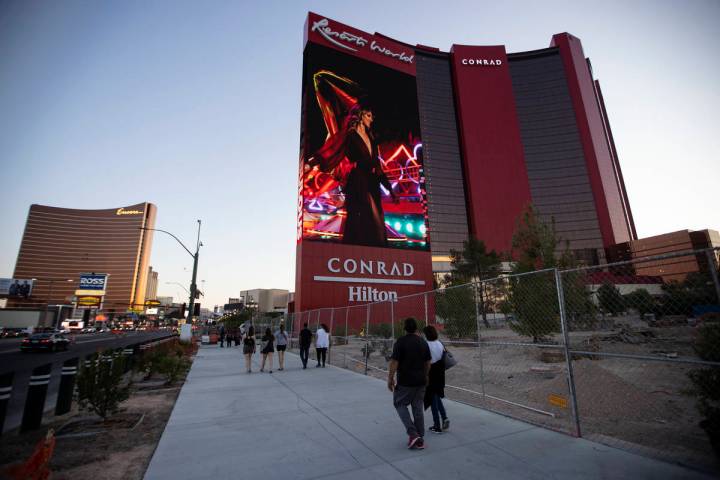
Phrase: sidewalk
{"type": "Point", "coordinates": [335, 424]}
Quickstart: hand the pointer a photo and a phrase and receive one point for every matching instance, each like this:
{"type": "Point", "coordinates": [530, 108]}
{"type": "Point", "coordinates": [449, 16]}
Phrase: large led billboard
{"type": "Point", "coordinates": [361, 173]}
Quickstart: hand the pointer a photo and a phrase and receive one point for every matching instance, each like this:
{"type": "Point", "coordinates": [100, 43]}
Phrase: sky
{"type": "Point", "coordinates": [195, 107]}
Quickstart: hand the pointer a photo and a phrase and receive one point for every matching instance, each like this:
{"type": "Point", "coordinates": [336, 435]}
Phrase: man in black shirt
{"type": "Point", "coordinates": [305, 341]}
{"type": "Point", "coordinates": [411, 360]}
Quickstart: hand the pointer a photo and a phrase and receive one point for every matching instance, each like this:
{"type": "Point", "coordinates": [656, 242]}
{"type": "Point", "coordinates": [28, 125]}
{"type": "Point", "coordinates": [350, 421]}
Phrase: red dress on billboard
{"type": "Point", "coordinates": [365, 221]}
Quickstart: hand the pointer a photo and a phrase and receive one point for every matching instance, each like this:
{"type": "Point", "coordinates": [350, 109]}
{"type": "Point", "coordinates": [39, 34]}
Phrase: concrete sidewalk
{"type": "Point", "coordinates": [335, 424]}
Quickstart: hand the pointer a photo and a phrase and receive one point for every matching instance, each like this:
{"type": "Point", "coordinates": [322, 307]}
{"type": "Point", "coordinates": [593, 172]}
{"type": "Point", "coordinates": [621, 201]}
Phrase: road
{"type": "Point", "coordinates": [12, 360]}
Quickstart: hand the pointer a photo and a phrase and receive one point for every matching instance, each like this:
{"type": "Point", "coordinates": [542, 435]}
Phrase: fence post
{"type": "Point", "coordinates": [347, 337]}
{"type": "Point", "coordinates": [6, 381]}
{"type": "Point", "coordinates": [392, 319]}
{"type": "Point", "coordinates": [426, 310]}
{"type": "Point", "coordinates": [568, 355]}
{"type": "Point", "coordinates": [35, 399]}
{"type": "Point", "coordinates": [367, 337]}
{"type": "Point", "coordinates": [477, 326]}
{"type": "Point", "coordinates": [712, 266]}
{"type": "Point", "coordinates": [332, 321]}
{"type": "Point", "coordinates": [67, 385]}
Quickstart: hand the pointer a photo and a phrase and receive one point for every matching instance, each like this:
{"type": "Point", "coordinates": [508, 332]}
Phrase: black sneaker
{"type": "Point", "coordinates": [446, 424]}
{"type": "Point", "coordinates": [435, 429]}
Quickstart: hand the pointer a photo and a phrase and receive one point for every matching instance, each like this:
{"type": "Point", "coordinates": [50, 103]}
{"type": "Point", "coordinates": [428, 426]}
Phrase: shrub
{"type": "Point", "coordinates": [101, 385]}
{"type": "Point", "coordinates": [706, 382]}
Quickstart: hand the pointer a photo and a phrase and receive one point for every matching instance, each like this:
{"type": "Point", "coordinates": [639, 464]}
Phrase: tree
{"type": "Point", "coordinates": [475, 264]}
{"type": "Point", "coordinates": [534, 297]}
{"type": "Point", "coordinates": [640, 300]}
{"type": "Point", "coordinates": [101, 386]}
{"type": "Point", "coordinates": [706, 382]}
{"type": "Point", "coordinates": [610, 299]}
{"type": "Point", "coordinates": [456, 306]}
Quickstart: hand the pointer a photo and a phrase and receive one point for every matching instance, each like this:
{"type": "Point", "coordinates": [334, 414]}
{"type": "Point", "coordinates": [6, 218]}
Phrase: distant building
{"type": "Point", "coordinates": [669, 269]}
{"type": "Point", "coordinates": [266, 300]}
{"type": "Point", "coordinates": [165, 301]}
{"type": "Point", "coordinates": [152, 284]}
{"type": "Point", "coordinates": [61, 243]}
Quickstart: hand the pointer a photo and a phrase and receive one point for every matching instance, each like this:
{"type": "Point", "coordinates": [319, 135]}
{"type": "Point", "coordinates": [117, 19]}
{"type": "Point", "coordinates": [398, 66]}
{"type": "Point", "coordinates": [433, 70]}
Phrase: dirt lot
{"type": "Point", "coordinates": [89, 451]}
{"type": "Point", "coordinates": [641, 405]}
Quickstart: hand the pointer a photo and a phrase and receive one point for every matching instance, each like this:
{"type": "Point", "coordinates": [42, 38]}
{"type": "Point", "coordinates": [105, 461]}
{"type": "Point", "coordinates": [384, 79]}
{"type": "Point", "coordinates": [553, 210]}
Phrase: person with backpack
{"type": "Point", "coordinates": [435, 391]}
{"type": "Point", "coordinates": [305, 341]}
{"type": "Point", "coordinates": [267, 349]}
{"type": "Point", "coordinates": [249, 348]}
{"type": "Point", "coordinates": [281, 341]}
{"type": "Point", "coordinates": [411, 361]}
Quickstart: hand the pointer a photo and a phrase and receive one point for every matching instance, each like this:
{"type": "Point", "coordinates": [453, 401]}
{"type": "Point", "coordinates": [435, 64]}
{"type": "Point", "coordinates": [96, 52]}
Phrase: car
{"type": "Point", "coordinates": [51, 342]}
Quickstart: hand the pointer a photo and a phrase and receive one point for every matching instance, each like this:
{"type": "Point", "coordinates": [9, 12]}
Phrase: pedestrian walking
{"type": "Point", "coordinates": [229, 339]}
{"type": "Point", "coordinates": [411, 361]}
{"type": "Point", "coordinates": [267, 349]}
{"type": "Point", "coordinates": [305, 339]}
{"type": "Point", "coordinates": [222, 336]}
{"type": "Point", "coordinates": [435, 391]}
{"type": "Point", "coordinates": [249, 348]}
{"type": "Point", "coordinates": [237, 337]}
{"type": "Point", "coordinates": [281, 341]}
{"type": "Point", "coordinates": [322, 343]}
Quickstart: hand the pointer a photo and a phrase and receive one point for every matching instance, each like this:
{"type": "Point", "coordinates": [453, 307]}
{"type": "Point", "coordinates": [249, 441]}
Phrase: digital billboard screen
{"type": "Point", "coordinates": [361, 174]}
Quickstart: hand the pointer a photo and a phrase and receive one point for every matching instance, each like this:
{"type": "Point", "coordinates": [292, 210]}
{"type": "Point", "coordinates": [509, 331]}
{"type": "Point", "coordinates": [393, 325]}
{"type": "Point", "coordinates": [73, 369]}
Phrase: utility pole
{"type": "Point", "coordinates": [193, 284]}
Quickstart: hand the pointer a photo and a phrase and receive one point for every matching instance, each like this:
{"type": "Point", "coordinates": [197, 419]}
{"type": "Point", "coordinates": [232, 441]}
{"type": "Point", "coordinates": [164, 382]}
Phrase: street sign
{"type": "Point", "coordinates": [152, 303]}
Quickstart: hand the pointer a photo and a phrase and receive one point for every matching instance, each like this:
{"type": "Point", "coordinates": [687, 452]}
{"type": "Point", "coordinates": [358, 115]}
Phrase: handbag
{"type": "Point", "coordinates": [449, 360]}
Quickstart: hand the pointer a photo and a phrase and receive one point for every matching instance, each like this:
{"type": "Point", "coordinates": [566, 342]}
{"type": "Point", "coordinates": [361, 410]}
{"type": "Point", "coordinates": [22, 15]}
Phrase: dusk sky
{"type": "Point", "coordinates": [195, 107]}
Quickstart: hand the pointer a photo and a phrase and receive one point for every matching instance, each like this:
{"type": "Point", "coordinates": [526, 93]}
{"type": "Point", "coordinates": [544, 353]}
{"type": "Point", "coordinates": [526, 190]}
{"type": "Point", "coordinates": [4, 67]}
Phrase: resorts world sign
{"type": "Point", "coordinates": [349, 41]}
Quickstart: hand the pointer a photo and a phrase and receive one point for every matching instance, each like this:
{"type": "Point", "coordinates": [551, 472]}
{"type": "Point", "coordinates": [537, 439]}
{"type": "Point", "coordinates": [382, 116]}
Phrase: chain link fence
{"type": "Point", "coordinates": [624, 354]}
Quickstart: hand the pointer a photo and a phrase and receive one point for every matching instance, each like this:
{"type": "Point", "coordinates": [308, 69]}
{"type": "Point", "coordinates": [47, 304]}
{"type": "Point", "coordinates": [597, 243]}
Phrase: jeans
{"type": "Point", "coordinates": [304, 354]}
{"type": "Point", "coordinates": [321, 353]}
{"type": "Point", "coordinates": [438, 410]}
{"type": "Point", "coordinates": [413, 396]}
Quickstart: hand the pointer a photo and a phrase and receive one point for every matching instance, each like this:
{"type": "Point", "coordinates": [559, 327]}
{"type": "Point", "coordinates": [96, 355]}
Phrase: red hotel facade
{"type": "Point", "coordinates": [499, 131]}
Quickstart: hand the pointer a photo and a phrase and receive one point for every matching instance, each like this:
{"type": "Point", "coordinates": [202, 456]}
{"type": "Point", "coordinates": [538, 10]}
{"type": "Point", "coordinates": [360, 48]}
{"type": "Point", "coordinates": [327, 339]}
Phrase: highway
{"type": "Point", "coordinates": [22, 363]}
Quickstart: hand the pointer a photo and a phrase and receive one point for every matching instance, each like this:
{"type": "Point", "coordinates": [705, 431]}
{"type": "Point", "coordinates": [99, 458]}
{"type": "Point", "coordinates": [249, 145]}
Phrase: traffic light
{"type": "Point", "coordinates": [196, 310]}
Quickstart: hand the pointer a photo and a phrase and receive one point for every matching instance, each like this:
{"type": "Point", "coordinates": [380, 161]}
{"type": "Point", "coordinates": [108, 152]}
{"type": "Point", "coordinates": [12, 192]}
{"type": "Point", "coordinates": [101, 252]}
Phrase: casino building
{"type": "Point", "coordinates": [61, 243]}
{"type": "Point", "coordinates": [488, 134]}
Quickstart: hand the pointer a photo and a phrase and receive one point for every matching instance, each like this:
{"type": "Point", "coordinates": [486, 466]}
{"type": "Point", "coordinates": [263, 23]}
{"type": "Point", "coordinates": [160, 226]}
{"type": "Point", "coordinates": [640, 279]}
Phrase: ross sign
{"type": "Point", "coordinates": [93, 281]}
{"type": "Point", "coordinates": [16, 287]}
{"type": "Point", "coordinates": [558, 400]}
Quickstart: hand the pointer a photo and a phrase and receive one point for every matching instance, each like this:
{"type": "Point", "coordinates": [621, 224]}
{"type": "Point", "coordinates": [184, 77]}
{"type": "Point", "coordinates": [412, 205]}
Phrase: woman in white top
{"type": "Point", "coordinates": [435, 391]}
{"type": "Point", "coordinates": [322, 343]}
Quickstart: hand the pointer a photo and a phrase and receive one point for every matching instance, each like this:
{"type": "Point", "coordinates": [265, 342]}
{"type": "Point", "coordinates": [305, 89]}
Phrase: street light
{"type": "Point", "coordinates": [196, 255]}
{"type": "Point", "coordinates": [179, 285]}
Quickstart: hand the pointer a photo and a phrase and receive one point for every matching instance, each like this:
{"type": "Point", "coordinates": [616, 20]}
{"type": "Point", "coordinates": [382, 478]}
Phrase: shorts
{"type": "Point", "coordinates": [281, 348]}
{"type": "Point", "coordinates": [248, 349]}
{"type": "Point", "coordinates": [268, 350]}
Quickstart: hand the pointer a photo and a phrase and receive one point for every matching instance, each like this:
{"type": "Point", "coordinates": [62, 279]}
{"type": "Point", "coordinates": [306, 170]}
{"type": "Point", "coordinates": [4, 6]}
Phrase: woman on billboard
{"type": "Point", "coordinates": [365, 220]}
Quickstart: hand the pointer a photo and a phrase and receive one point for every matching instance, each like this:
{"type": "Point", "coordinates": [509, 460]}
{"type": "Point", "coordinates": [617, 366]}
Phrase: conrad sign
{"type": "Point", "coordinates": [482, 62]}
{"type": "Point", "coordinates": [380, 272]}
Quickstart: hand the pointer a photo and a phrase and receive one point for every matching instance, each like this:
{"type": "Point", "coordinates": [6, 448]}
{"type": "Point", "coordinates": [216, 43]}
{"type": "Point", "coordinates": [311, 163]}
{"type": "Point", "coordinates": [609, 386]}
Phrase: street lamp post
{"type": "Point", "coordinates": [196, 255]}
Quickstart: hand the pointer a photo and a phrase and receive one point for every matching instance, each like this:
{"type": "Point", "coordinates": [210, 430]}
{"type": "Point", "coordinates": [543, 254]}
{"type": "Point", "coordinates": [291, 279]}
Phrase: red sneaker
{"type": "Point", "coordinates": [413, 441]}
